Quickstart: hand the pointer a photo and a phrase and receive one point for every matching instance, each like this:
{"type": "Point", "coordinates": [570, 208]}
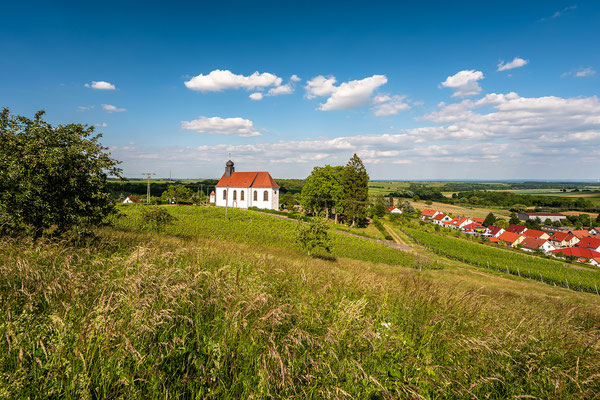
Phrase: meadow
{"type": "Point", "coordinates": [213, 308]}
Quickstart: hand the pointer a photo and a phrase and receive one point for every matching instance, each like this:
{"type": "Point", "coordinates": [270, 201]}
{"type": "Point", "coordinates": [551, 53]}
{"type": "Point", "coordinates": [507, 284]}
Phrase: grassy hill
{"type": "Point", "coordinates": [216, 308]}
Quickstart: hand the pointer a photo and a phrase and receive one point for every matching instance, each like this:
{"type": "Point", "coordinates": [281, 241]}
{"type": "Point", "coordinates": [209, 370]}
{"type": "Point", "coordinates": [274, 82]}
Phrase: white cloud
{"type": "Point", "coordinates": [283, 89]}
{"type": "Point", "coordinates": [219, 80]}
{"type": "Point", "coordinates": [559, 13]}
{"type": "Point", "coordinates": [84, 108]}
{"type": "Point", "coordinates": [386, 105]}
{"type": "Point", "coordinates": [101, 85]}
{"type": "Point", "coordinates": [347, 95]}
{"type": "Point", "coordinates": [464, 83]}
{"type": "Point", "coordinates": [222, 126]}
{"type": "Point", "coordinates": [583, 72]}
{"type": "Point", "coordinates": [256, 96]}
{"type": "Point", "coordinates": [102, 125]}
{"type": "Point", "coordinates": [516, 63]}
{"type": "Point", "coordinates": [111, 109]}
{"type": "Point", "coordinates": [295, 78]}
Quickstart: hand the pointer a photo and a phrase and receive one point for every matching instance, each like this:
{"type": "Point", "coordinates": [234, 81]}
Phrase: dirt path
{"type": "Point", "coordinates": [398, 242]}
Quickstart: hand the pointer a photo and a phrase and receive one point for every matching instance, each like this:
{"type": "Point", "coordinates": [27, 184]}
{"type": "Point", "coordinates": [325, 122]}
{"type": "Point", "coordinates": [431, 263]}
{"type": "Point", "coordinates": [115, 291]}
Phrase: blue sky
{"type": "Point", "coordinates": [435, 90]}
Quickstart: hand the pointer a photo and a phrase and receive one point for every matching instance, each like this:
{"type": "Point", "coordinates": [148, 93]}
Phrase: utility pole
{"type": "Point", "coordinates": [148, 175]}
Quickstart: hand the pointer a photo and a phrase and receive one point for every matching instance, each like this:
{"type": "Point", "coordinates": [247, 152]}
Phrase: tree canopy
{"type": "Point", "coordinates": [52, 178]}
{"type": "Point", "coordinates": [355, 183]}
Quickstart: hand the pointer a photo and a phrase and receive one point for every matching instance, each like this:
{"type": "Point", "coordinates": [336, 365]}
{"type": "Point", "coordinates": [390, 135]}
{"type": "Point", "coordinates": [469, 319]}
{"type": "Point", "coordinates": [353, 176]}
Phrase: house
{"type": "Point", "coordinates": [394, 210]}
{"type": "Point", "coordinates": [479, 221]}
{"type": "Point", "coordinates": [543, 216]}
{"type": "Point", "coordinates": [580, 233]}
{"type": "Point", "coordinates": [458, 222]}
{"type": "Point", "coordinates": [563, 239]}
{"type": "Point", "coordinates": [212, 197]}
{"type": "Point", "coordinates": [441, 219]}
{"type": "Point", "coordinates": [428, 214]}
{"type": "Point", "coordinates": [495, 231]}
{"type": "Point", "coordinates": [512, 239]}
{"type": "Point", "coordinates": [494, 239]}
{"type": "Point", "coordinates": [595, 231]}
{"type": "Point", "coordinates": [532, 244]}
{"type": "Point", "coordinates": [534, 233]}
{"type": "Point", "coordinates": [516, 229]}
{"type": "Point", "coordinates": [589, 243]}
{"type": "Point", "coordinates": [583, 255]}
{"type": "Point", "coordinates": [474, 228]}
{"type": "Point", "coordinates": [246, 189]}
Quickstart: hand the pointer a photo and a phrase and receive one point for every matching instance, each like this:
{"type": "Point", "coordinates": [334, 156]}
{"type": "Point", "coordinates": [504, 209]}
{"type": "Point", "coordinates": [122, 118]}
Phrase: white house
{"type": "Point", "coordinates": [128, 200]}
{"type": "Point", "coordinates": [246, 189]}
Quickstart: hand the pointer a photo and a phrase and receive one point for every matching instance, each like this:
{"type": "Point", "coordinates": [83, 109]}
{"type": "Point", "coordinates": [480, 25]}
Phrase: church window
{"type": "Point", "coordinates": [255, 195]}
{"type": "Point", "coordinates": [234, 195]}
{"type": "Point", "coordinates": [266, 196]}
{"type": "Point", "coordinates": [242, 195]}
{"type": "Point", "coordinates": [224, 194]}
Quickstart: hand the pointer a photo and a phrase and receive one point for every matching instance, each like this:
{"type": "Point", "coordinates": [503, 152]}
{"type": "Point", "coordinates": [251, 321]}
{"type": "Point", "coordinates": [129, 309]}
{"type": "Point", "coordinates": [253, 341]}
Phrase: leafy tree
{"type": "Point", "coordinates": [407, 208]}
{"type": "Point", "coordinates": [157, 218]}
{"type": "Point", "coordinates": [52, 178]}
{"type": "Point", "coordinates": [355, 189]}
{"type": "Point", "coordinates": [514, 219]}
{"type": "Point", "coordinates": [502, 223]}
{"type": "Point", "coordinates": [178, 194]}
{"type": "Point", "coordinates": [314, 234]}
{"type": "Point", "coordinates": [288, 201]}
{"type": "Point", "coordinates": [378, 209]}
{"type": "Point", "coordinates": [548, 222]}
{"type": "Point", "coordinates": [489, 220]}
{"type": "Point", "coordinates": [322, 190]}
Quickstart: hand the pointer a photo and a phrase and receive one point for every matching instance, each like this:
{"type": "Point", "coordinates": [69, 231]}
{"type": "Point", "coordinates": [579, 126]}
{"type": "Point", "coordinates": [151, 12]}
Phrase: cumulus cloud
{"type": "Point", "coordinates": [219, 80]}
{"type": "Point", "coordinates": [389, 105]}
{"type": "Point", "coordinates": [516, 63]}
{"type": "Point", "coordinates": [111, 109]}
{"type": "Point", "coordinates": [464, 83]}
{"type": "Point", "coordinates": [295, 78]}
{"type": "Point", "coordinates": [347, 95]}
{"type": "Point", "coordinates": [283, 89]}
{"type": "Point", "coordinates": [100, 85]}
{"type": "Point", "coordinates": [256, 96]}
{"type": "Point", "coordinates": [222, 126]}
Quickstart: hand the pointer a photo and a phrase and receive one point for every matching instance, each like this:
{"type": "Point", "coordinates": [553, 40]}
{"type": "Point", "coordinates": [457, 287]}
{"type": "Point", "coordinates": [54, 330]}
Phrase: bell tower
{"type": "Point", "coordinates": [229, 168]}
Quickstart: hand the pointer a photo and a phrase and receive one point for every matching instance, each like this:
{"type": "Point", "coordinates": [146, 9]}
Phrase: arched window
{"type": "Point", "coordinates": [234, 195]}
{"type": "Point", "coordinates": [255, 195]}
{"type": "Point", "coordinates": [266, 196]}
{"type": "Point", "coordinates": [242, 195]}
{"type": "Point", "coordinates": [224, 194]}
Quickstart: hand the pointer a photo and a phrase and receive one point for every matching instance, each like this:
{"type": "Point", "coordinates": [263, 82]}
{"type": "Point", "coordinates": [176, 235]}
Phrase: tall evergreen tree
{"type": "Point", "coordinates": [322, 190]}
{"type": "Point", "coordinates": [355, 189]}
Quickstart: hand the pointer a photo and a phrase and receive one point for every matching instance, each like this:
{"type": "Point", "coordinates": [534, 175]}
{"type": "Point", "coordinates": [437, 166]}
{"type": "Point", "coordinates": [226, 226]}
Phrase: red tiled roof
{"type": "Point", "coordinates": [494, 239]}
{"type": "Point", "coordinates": [457, 221]}
{"type": "Point", "coordinates": [544, 214]}
{"type": "Point", "coordinates": [533, 233]}
{"type": "Point", "coordinates": [516, 228]}
{"type": "Point", "coordinates": [248, 179]}
{"type": "Point", "coordinates": [390, 208]}
{"type": "Point", "coordinates": [439, 217]}
{"type": "Point", "coordinates": [588, 242]}
{"type": "Point", "coordinates": [478, 220]}
{"type": "Point", "coordinates": [579, 253]}
{"type": "Point", "coordinates": [561, 236]}
{"type": "Point", "coordinates": [428, 213]}
{"type": "Point", "coordinates": [494, 229]}
{"type": "Point", "coordinates": [509, 237]}
{"type": "Point", "coordinates": [533, 243]}
{"type": "Point", "coordinates": [580, 233]}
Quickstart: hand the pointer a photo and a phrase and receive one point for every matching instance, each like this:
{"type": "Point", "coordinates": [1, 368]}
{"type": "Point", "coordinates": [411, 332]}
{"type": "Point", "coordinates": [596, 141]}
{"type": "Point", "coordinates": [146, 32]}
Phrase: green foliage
{"type": "Point", "coordinates": [52, 178]}
{"type": "Point", "coordinates": [377, 223]}
{"type": "Point", "coordinates": [490, 219]}
{"type": "Point", "coordinates": [514, 219]}
{"type": "Point", "coordinates": [322, 190]}
{"type": "Point", "coordinates": [502, 223]}
{"type": "Point", "coordinates": [407, 208]}
{"type": "Point", "coordinates": [178, 194]}
{"type": "Point", "coordinates": [378, 209]}
{"type": "Point", "coordinates": [313, 235]}
{"type": "Point", "coordinates": [355, 183]}
{"type": "Point", "coordinates": [156, 218]}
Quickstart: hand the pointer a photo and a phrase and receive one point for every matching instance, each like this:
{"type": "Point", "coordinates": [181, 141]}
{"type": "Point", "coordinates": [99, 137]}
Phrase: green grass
{"type": "Point", "coordinates": [231, 313]}
{"type": "Point", "coordinates": [256, 228]}
{"type": "Point", "coordinates": [484, 255]}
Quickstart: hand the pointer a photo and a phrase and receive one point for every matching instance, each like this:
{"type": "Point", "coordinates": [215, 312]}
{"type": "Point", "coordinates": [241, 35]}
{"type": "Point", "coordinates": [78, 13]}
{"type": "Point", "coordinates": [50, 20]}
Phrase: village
{"type": "Point", "coordinates": [581, 245]}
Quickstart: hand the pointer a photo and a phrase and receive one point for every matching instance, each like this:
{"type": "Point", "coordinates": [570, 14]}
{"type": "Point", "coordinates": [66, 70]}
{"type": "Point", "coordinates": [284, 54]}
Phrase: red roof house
{"type": "Point", "coordinates": [534, 233]}
{"type": "Point", "coordinates": [511, 238]}
{"type": "Point", "coordinates": [428, 213]}
{"type": "Point", "coordinates": [516, 229]}
{"type": "Point", "coordinates": [495, 231]}
{"type": "Point", "coordinates": [563, 239]}
{"type": "Point", "coordinates": [532, 244]}
{"type": "Point", "coordinates": [581, 254]}
{"type": "Point", "coordinates": [589, 243]}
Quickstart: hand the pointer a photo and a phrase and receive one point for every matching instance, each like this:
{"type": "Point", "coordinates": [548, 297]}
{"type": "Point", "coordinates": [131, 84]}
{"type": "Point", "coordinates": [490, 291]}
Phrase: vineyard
{"type": "Point", "coordinates": [259, 229]}
{"type": "Point", "coordinates": [545, 270]}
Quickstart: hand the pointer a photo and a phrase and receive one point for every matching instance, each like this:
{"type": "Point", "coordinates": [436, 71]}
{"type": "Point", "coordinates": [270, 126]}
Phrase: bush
{"type": "Point", "coordinates": [156, 218]}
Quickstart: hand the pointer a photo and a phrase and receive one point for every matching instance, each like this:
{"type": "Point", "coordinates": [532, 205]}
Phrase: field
{"type": "Point", "coordinates": [214, 308]}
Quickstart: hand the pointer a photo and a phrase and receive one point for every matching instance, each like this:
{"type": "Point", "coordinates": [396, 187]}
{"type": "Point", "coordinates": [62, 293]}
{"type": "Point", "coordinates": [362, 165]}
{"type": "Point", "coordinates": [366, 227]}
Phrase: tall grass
{"type": "Point", "coordinates": [144, 315]}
